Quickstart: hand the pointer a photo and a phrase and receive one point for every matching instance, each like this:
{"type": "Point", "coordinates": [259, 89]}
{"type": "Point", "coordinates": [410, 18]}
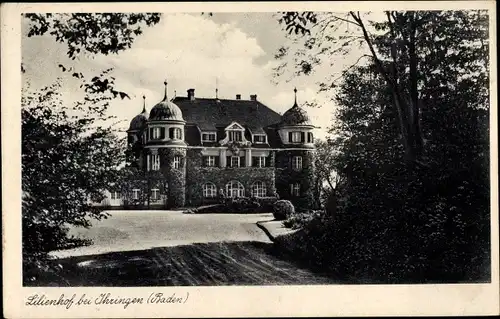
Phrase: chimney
{"type": "Point", "coordinates": [253, 97]}
{"type": "Point", "coordinates": [190, 94]}
{"type": "Point", "coordinates": [238, 96]}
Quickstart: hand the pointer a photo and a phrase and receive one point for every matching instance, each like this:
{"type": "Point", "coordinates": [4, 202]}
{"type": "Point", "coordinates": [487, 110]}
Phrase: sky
{"type": "Point", "coordinates": [233, 51]}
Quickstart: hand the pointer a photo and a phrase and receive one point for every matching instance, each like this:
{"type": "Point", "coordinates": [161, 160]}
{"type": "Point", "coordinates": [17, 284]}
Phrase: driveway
{"type": "Point", "coordinates": [168, 248]}
{"type": "Point", "coordinates": [134, 230]}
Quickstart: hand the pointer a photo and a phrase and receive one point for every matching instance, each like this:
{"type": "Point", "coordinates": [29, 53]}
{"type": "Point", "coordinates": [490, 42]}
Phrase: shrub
{"type": "Point", "coordinates": [300, 219]}
{"type": "Point", "coordinates": [282, 209]}
{"type": "Point", "coordinates": [242, 205]}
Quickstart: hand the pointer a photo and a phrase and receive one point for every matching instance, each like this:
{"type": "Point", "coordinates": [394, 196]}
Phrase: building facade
{"type": "Point", "coordinates": [189, 151]}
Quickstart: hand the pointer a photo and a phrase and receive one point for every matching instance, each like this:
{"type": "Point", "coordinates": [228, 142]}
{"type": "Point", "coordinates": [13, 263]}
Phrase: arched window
{"type": "Point", "coordinates": [259, 189]}
{"type": "Point", "coordinates": [235, 189]}
{"type": "Point", "coordinates": [209, 190]}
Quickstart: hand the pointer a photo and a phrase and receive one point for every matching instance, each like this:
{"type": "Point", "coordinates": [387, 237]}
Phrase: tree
{"type": "Point", "coordinates": [395, 46]}
{"type": "Point", "coordinates": [67, 162]}
{"type": "Point", "coordinates": [91, 34]}
{"type": "Point", "coordinates": [425, 219]}
{"type": "Point", "coordinates": [327, 181]}
{"type": "Point", "coordinates": [70, 153]}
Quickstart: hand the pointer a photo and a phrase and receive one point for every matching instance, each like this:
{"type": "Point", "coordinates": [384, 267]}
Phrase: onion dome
{"type": "Point", "coordinates": [165, 110]}
{"type": "Point", "coordinates": [140, 120]}
{"type": "Point", "coordinates": [296, 115]}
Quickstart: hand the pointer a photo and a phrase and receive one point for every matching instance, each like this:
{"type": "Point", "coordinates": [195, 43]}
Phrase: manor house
{"type": "Point", "coordinates": [199, 148]}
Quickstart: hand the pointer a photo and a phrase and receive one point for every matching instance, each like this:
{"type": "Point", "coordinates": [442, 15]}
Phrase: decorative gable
{"type": "Point", "coordinates": [235, 127]}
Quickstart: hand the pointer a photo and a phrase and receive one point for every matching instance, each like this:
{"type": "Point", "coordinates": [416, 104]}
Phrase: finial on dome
{"type": "Point", "coordinates": [295, 91]}
{"type": "Point", "coordinates": [143, 104]}
{"type": "Point", "coordinates": [166, 90]}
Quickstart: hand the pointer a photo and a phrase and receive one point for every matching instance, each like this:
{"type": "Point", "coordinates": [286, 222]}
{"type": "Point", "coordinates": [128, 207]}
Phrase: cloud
{"type": "Point", "coordinates": [191, 51]}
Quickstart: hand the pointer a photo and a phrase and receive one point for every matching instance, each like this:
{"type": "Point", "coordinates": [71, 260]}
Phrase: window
{"type": "Point", "coordinates": [209, 161]}
{"type": "Point", "coordinates": [259, 161]}
{"type": "Point", "coordinates": [310, 138]}
{"type": "Point", "coordinates": [175, 133]}
{"type": "Point", "coordinates": [209, 190]}
{"type": "Point", "coordinates": [297, 163]}
{"type": "Point", "coordinates": [295, 189]}
{"type": "Point", "coordinates": [235, 189]}
{"type": "Point", "coordinates": [135, 193]}
{"type": "Point", "coordinates": [155, 194]}
{"type": "Point", "coordinates": [260, 138]}
{"type": "Point", "coordinates": [208, 137]}
{"type": "Point", "coordinates": [235, 161]}
{"type": "Point", "coordinates": [235, 136]}
{"type": "Point", "coordinates": [115, 195]}
{"type": "Point", "coordinates": [155, 162]}
{"type": "Point", "coordinates": [259, 189]}
{"type": "Point", "coordinates": [295, 137]}
{"type": "Point", "coordinates": [156, 133]}
{"type": "Point", "coordinates": [177, 162]}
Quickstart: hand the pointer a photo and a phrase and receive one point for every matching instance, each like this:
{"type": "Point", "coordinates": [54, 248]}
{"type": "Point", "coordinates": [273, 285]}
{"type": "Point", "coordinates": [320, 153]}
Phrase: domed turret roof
{"type": "Point", "coordinates": [140, 120]}
{"type": "Point", "coordinates": [165, 110]}
{"type": "Point", "coordinates": [296, 115]}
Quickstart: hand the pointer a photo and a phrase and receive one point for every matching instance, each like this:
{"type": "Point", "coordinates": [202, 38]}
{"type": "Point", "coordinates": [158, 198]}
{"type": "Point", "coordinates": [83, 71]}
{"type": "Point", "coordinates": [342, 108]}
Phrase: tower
{"type": "Point", "coordinates": [295, 162]}
{"type": "Point", "coordinates": [134, 137]}
{"type": "Point", "coordinates": [165, 150]}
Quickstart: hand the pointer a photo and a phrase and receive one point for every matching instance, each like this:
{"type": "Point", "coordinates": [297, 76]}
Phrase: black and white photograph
{"type": "Point", "coordinates": [249, 148]}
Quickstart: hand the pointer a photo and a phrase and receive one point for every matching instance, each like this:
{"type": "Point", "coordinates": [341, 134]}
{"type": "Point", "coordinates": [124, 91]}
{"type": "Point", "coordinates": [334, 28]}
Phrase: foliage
{"type": "Point", "coordinates": [91, 34]}
{"type": "Point", "coordinates": [67, 161]}
{"type": "Point", "coordinates": [425, 219]}
{"type": "Point", "coordinates": [282, 209]}
{"type": "Point", "coordinates": [69, 152]}
{"type": "Point", "coordinates": [239, 205]}
{"type": "Point", "coordinates": [286, 175]}
{"type": "Point", "coordinates": [326, 180]}
{"type": "Point", "coordinates": [300, 219]}
{"type": "Point", "coordinates": [196, 172]}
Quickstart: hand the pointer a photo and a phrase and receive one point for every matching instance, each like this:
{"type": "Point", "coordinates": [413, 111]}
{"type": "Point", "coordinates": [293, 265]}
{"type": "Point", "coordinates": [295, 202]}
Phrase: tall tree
{"type": "Point", "coordinates": [70, 153]}
{"type": "Point", "coordinates": [408, 217]}
{"type": "Point", "coordinates": [397, 46]}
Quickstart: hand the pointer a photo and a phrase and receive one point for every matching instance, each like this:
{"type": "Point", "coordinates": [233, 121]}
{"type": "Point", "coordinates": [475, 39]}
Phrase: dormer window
{"type": "Point", "coordinates": [208, 137]}
{"type": "Point", "coordinates": [234, 133]}
{"type": "Point", "coordinates": [259, 138]}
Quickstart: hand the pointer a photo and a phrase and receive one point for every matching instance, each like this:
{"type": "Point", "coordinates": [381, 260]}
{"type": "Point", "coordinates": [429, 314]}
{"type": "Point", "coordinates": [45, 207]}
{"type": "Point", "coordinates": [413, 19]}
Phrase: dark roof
{"type": "Point", "coordinates": [216, 114]}
{"type": "Point", "coordinates": [211, 113]}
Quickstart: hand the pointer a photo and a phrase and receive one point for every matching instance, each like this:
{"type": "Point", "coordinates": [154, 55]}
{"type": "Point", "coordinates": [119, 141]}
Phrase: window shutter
{"type": "Point", "coordinates": [302, 137]}
{"type": "Point", "coordinates": [162, 133]}
{"type": "Point", "coordinates": [254, 161]}
{"type": "Point", "coordinates": [151, 133]}
{"type": "Point", "coordinates": [242, 161]}
{"type": "Point", "coordinates": [228, 161]}
{"type": "Point", "coordinates": [217, 161]}
{"type": "Point", "coordinates": [290, 137]}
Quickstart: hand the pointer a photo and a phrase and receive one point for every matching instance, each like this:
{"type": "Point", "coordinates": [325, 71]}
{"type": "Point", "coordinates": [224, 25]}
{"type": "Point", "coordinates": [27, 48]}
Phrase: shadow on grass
{"type": "Point", "coordinates": [203, 264]}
